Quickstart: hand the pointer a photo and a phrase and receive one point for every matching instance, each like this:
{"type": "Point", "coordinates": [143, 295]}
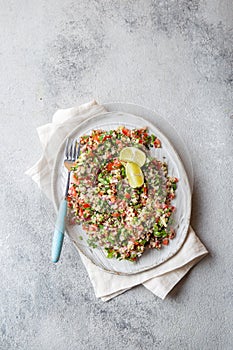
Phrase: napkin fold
{"type": "Point", "coordinates": [159, 280]}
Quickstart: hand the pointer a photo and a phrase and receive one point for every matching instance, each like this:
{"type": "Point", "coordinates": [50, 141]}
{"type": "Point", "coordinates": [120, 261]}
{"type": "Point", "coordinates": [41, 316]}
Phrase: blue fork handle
{"type": "Point", "coordinates": [58, 235]}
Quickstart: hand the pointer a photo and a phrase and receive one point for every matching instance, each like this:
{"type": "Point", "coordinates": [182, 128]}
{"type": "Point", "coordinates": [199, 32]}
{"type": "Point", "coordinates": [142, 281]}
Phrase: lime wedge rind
{"type": "Point", "coordinates": [134, 175]}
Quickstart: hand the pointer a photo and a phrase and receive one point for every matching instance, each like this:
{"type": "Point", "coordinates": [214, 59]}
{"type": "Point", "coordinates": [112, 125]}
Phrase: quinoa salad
{"type": "Point", "coordinates": [123, 220]}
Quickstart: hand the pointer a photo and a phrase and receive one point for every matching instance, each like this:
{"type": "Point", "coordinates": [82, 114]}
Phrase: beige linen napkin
{"type": "Point", "coordinates": [159, 280]}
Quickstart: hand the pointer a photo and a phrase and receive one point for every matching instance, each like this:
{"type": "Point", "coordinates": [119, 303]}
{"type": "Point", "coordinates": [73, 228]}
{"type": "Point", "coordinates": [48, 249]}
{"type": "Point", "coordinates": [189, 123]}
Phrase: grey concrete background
{"type": "Point", "coordinates": [171, 56]}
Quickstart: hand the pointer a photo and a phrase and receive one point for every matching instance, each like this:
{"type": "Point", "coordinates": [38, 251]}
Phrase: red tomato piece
{"type": "Point", "coordinates": [157, 143]}
{"type": "Point", "coordinates": [115, 215]}
{"type": "Point", "coordinates": [107, 137]}
{"type": "Point", "coordinates": [126, 132]}
{"type": "Point", "coordinates": [110, 166]}
{"type": "Point", "coordinates": [96, 138]}
{"type": "Point", "coordinates": [86, 205]}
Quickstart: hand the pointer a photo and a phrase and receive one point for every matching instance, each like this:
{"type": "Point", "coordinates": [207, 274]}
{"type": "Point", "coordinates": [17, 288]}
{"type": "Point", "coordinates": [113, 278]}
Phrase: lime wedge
{"type": "Point", "coordinates": [134, 155]}
{"type": "Point", "coordinates": [134, 175]}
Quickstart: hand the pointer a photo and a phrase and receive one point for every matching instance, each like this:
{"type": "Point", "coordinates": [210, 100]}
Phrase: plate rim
{"type": "Point", "coordinates": [56, 205]}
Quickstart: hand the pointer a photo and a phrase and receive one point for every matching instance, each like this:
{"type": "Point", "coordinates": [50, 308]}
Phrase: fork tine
{"type": "Point", "coordinates": [78, 151]}
{"type": "Point", "coordinates": [67, 148]}
{"type": "Point", "coordinates": [74, 150]}
{"type": "Point", "coordinates": [71, 151]}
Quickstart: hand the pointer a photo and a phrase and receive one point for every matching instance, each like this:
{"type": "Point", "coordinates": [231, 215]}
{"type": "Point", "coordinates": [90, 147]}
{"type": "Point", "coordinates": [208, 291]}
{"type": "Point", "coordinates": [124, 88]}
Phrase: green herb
{"type": "Point", "coordinates": [123, 173]}
{"type": "Point", "coordinates": [158, 234]}
{"type": "Point", "coordinates": [110, 255]}
{"type": "Point", "coordinates": [101, 137]}
{"type": "Point", "coordinates": [164, 233]}
{"type": "Point", "coordinates": [153, 138]}
{"type": "Point", "coordinates": [174, 186]}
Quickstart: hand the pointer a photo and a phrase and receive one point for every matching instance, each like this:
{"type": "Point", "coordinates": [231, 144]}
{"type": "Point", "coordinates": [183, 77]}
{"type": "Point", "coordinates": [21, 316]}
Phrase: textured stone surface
{"type": "Point", "coordinates": [171, 56]}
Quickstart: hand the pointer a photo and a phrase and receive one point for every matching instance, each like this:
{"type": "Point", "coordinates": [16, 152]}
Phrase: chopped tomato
{"type": "Point", "coordinates": [107, 137]}
{"type": "Point", "coordinates": [86, 205]}
{"type": "Point", "coordinates": [116, 215]}
{"type": "Point", "coordinates": [165, 241]}
{"type": "Point", "coordinates": [157, 143]}
{"type": "Point", "coordinates": [96, 138]}
{"type": "Point", "coordinates": [127, 195]}
{"type": "Point", "coordinates": [110, 166]}
{"type": "Point", "coordinates": [115, 164]}
{"type": "Point", "coordinates": [126, 132]}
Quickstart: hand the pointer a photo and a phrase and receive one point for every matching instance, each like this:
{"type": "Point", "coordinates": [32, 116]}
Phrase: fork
{"type": "Point", "coordinates": [71, 155]}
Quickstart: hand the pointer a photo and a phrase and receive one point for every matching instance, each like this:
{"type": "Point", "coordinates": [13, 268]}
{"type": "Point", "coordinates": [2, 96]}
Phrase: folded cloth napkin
{"type": "Point", "coordinates": [159, 280]}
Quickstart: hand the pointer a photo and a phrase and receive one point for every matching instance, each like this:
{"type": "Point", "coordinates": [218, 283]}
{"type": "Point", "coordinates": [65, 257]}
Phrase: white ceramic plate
{"type": "Point", "coordinates": [182, 202]}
